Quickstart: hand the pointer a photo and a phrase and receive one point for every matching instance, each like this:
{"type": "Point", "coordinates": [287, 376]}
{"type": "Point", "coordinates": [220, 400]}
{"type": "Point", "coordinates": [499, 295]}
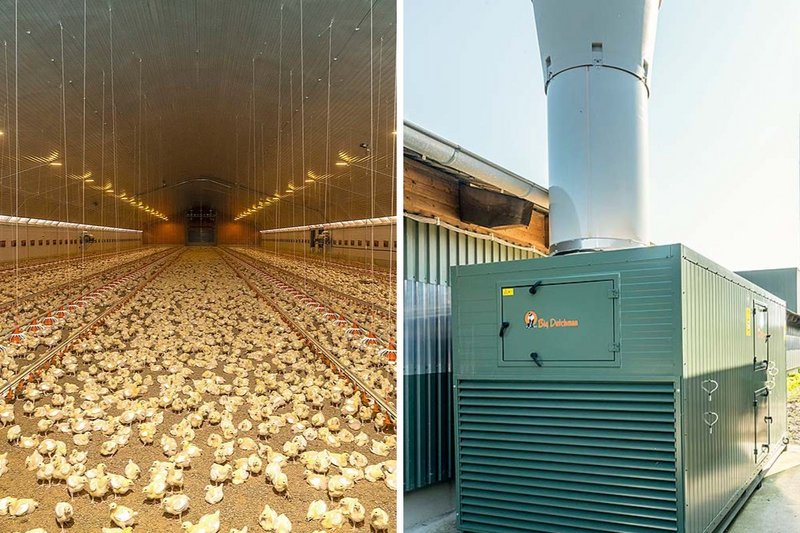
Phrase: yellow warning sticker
{"type": "Point", "coordinates": [748, 322]}
{"type": "Point", "coordinates": [508, 292]}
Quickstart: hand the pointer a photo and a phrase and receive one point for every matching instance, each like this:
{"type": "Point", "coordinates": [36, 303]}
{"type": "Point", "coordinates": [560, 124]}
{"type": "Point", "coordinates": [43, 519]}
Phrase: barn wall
{"type": "Point", "coordinates": [35, 242]}
{"type": "Point", "coordinates": [353, 245]}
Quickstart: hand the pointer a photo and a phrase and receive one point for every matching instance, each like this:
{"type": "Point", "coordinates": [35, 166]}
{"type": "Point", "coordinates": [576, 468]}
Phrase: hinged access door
{"type": "Point", "coordinates": [761, 423]}
{"type": "Point", "coordinates": [760, 334]}
{"type": "Point", "coordinates": [560, 323]}
{"type": "Point", "coordinates": [761, 368]}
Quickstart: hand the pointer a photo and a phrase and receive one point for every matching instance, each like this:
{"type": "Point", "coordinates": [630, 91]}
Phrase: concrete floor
{"type": "Point", "coordinates": [775, 507]}
{"type": "Point", "coordinates": [430, 510]}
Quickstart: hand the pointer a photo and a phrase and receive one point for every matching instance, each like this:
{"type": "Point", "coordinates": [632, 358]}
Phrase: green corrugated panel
{"type": "Point", "coordinates": [565, 456]}
{"type": "Point", "coordinates": [430, 251]}
{"type": "Point", "coordinates": [715, 317]}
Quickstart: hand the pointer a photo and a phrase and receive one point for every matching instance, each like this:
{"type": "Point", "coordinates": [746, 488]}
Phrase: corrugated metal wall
{"type": "Point", "coordinates": [430, 251]}
{"type": "Point", "coordinates": [720, 463]}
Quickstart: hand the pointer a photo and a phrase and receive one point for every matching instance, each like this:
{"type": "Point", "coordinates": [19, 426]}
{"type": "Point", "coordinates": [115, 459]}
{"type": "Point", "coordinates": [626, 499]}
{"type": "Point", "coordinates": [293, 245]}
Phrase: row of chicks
{"type": "Point", "coordinates": [196, 369]}
{"type": "Point", "coordinates": [351, 345]}
{"type": "Point", "coordinates": [362, 284]}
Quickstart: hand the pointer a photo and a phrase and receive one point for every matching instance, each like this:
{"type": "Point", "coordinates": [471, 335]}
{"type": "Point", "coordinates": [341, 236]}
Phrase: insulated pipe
{"type": "Point", "coordinates": [596, 60]}
{"type": "Point", "coordinates": [450, 155]}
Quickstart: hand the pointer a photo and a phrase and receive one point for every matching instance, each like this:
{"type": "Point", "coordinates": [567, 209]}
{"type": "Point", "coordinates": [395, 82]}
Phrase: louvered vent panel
{"type": "Point", "coordinates": [566, 457]}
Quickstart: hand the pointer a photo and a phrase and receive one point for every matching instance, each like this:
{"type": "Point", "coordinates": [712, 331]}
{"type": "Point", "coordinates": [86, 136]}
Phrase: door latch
{"type": "Point", "coordinates": [534, 287]}
{"type": "Point", "coordinates": [503, 327]}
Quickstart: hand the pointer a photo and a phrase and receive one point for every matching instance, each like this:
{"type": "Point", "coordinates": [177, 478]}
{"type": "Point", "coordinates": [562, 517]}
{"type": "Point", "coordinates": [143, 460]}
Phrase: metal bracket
{"type": "Point", "coordinates": [710, 418]}
{"type": "Point", "coordinates": [709, 386]}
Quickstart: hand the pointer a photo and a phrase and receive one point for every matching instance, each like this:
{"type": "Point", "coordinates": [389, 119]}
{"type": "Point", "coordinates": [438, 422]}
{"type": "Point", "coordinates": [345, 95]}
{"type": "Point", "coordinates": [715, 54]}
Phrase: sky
{"type": "Point", "coordinates": [724, 112]}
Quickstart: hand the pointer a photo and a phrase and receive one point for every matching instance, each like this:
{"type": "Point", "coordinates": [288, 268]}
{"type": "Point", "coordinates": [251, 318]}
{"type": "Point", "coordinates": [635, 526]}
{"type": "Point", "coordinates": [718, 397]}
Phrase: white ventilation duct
{"type": "Point", "coordinates": [596, 57]}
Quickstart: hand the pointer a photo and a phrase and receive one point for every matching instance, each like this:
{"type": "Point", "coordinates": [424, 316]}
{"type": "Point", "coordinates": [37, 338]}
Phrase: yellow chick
{"type": "Point", "coordinates": [75, 484]}
{"type": "Point", "coordinates": [353, 509]}
{"type": "Point", "coordinates": [221, 473]}
{"type": "Point", "coordinates": [156, 489]}
{"type": "Point", "coordinates": [97, 487]}
{"type": "Point", "coordinates": [316, 510]}
{"type": "Point", "coordinates": [64, 513]}
{"type": "Point", "coordinates": [333, 519]}
{"type": "Point", "coordinates": [208, 523]}
{"type": "Point", "coordinates": [119, 484]}
{"type": "Point", "coordinates": [267, 518]}
{"type": "Point", "coordinates": [121, 515]}
{"type": "Point", "coordinates": [283, 524]}
{"type": "Point", "coordinates": [214, 494]}
{"type": "Point", "coordinates": [22, 506]}
{"type": "Point", "coordinates": [373, 473]}
{"type": "Point", "coordinates": [177, 504]}
{"type": "Point", "coordinates": [338, 485]}
{"type": "Point", "coordinates": [132, 470]}
{"type": "Point", "coordinates": [379, 519]}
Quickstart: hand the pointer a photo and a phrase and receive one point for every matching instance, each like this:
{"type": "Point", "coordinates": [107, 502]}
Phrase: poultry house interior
{"type": "Point", "coordinates": [197, 266]}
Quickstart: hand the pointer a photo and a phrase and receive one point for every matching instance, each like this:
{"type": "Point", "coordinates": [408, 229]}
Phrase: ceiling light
{"type": "Point", "coordinates": [55, 164]}
{"type": "Point", "coordinates": [342, 163]}
{"type": "Point", "coordinates": [89, 180]}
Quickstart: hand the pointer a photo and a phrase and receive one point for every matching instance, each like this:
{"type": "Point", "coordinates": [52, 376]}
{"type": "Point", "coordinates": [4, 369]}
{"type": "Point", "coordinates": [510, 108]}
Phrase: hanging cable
{"type": "Point", "coordinates": [64, 135]}
{"type": "Point", "coordinates": [371, 142]}
{"type": "Point", "coordinates": [103, 160]}
{"type": "Point", "coordinates": [113, 126]}
{"type": "Point", "coordinates": [16, 160]}
{"type": "Point", "coordinates": [83, 150]}
{"type": "Point", "coordinates": [292, 175]}
{"type": "Point", "coordinates": [303, 137]}
{"type": "Point", "coordinates": [325, 217]}
{"type": "Point", "coordinates": [7, 120]}
{"type": "Point", "coordinates": [279, 186]}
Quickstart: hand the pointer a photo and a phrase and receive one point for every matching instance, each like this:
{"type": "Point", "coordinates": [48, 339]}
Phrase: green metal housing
{"type": "Point", "coordinates": [627, 391]}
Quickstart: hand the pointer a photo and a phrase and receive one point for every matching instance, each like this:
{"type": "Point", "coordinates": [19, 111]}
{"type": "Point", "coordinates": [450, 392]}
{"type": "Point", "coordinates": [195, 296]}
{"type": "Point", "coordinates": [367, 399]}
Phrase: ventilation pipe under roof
{"type": "Point", "coordinates": [596, 58]}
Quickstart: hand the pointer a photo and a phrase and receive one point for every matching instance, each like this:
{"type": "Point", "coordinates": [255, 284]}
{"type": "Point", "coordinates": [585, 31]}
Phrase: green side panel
{"type": "Point", "coordinates": [735, 380]}
{"type": "Point", "coordinates": [576, 422]}
{"type": "Point", "coordinates": [566, 456]}
{"type": "Point", "coordinates": [430, 251]}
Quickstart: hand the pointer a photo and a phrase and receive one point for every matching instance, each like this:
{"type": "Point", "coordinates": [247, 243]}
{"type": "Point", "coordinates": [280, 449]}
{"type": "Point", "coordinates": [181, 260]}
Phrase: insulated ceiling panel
{"type": "Point", "coordinates": [201, 102]}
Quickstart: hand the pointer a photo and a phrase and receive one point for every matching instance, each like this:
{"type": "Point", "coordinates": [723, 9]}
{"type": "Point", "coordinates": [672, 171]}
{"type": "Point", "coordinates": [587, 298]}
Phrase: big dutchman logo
{"type": "Point", "coordinates": [534, 321]}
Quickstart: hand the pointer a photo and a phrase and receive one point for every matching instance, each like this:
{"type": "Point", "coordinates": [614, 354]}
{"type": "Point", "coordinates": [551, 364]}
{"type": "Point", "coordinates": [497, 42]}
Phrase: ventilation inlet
{"type": "Point", "coordinates": [566, 457]}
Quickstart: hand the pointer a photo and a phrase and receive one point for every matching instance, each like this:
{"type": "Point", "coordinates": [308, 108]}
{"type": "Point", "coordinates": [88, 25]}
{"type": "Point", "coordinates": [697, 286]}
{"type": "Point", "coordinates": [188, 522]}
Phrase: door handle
{"type": "Point", "coordinates": [503, 327]}
{"type": "Point", "coordinates": [535, 286]}
{"type": "Point", "coordinates": [535, 357]}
